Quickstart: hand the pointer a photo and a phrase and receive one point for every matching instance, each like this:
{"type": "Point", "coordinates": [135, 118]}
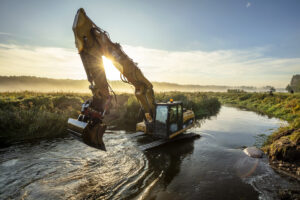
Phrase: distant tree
{"type": "Point", "coordinates": [289, 89]}
{"type": "Point", "coordinates": [295, 83]}
{"type": "Point", "coordinates": [271, 89]}
{"type": "Point", "coordinates": [235, 91]}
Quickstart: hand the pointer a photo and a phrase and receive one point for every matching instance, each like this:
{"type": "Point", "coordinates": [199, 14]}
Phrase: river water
{"type": "Point", "coordinates": [211, 167]}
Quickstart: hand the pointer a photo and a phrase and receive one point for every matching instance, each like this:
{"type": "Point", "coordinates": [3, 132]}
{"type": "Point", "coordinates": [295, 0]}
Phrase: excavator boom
{"type": "Point", "coordinates": [93, 43]}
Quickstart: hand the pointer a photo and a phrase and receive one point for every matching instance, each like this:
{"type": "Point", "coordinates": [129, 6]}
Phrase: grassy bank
{"type": "Point", "coordinates": [281, 105]}
{"type": "Point", "coordinates": [29, 115]}
{"type": "Point", "coordinates": [283, 144]}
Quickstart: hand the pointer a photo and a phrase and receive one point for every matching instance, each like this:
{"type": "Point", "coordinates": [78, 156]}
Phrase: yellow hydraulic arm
{"type": "Point", "coordinates": [93, 43]}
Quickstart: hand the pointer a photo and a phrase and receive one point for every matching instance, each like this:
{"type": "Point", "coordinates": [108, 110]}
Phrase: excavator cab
{"type": "Point", "coordinates": [168, 119]}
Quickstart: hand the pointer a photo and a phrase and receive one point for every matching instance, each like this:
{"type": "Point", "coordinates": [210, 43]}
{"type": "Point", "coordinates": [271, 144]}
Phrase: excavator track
{"type": "Point", "coordinates": [160, 142]}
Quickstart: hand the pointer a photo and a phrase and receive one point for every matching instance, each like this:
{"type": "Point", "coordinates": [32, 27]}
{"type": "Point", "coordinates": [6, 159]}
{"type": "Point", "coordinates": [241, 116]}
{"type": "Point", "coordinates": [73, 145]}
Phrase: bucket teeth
{"type": "Point", "coordinates": [91, 135]}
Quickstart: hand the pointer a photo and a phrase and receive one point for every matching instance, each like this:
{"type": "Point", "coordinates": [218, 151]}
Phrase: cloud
{"type": "Point", "coordinates": [222, 67]}
{"type": "Point", "coordinates": [40, 61]}
{"type": "Point", "coordinates": [248, 4]}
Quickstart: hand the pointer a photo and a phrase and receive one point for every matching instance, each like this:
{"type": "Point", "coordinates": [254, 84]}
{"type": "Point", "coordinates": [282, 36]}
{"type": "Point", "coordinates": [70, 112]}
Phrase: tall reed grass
{"type": "Point", "coordinates": [31, 115]}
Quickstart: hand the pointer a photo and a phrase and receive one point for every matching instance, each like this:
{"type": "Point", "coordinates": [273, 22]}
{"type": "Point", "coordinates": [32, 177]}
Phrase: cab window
{"type": "Point", "coordinates": [173, 127]}
{"type": "Point", "coordinates": [161, 114]}
{"type": "Point", "coordinates": [179, 111]}
{"type": "Point", "coordinates": [173, 114]}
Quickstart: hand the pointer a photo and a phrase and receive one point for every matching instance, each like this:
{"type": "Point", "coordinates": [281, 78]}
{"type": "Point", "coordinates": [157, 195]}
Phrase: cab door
{"type": "Point", "coordinates": [161, 121]}
{"type": "Point", "coordinates": [180, 115]}
{"type": "Point", "coordinates": [175, 118]}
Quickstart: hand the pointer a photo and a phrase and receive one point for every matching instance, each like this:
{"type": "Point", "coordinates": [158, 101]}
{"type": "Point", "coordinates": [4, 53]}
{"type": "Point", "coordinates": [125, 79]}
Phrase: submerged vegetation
{"type": "Point", "coordinates": [30, 115]}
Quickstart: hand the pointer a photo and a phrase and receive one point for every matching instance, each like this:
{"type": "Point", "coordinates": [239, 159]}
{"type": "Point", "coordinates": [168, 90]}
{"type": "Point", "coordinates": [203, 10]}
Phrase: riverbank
{"type": "Point", "coordinates": [29, 115]}
{"type": "Point", "coordinates": [283, 146]}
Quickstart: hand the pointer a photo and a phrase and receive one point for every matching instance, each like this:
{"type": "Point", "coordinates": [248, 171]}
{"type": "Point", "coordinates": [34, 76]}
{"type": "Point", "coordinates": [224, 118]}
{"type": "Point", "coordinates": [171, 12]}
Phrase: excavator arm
{"type": "Point", "coordinates": [93, 43]}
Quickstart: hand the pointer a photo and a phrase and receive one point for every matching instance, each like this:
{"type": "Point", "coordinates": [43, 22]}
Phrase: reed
{"type": "Point", "coordinates": [32, 115]}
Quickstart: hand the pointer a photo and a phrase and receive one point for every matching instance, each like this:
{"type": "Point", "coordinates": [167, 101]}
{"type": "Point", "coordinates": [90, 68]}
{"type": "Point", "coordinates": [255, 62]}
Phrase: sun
{"type": "Point", "coordinates": [110, 70]}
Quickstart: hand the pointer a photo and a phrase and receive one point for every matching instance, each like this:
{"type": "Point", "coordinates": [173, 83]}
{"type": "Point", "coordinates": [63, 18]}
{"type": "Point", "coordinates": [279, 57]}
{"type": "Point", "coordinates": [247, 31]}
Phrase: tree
{"type": "Point", "coordinates": [295, 83]}
{"type": "Point", "coordinates": [289, 88]}
{"type": "Point", "coordinates": [270, 88]}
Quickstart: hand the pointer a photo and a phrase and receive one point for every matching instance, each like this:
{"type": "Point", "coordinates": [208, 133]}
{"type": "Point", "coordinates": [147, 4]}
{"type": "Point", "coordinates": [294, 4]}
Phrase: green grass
{"type": "Point", "coordinates": [30, 115]}
{"type": "Point", "coordinates": [281, 105]}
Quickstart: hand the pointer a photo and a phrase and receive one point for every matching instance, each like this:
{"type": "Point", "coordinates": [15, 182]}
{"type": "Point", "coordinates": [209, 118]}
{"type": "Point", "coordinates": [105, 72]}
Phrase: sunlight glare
{"type": "Point", "coordinates": [111, 71]}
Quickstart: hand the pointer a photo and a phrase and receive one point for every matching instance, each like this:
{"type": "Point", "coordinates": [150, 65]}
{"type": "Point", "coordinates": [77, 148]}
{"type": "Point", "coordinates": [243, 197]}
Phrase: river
{"type": "Point", "coordinates": [211, 167]}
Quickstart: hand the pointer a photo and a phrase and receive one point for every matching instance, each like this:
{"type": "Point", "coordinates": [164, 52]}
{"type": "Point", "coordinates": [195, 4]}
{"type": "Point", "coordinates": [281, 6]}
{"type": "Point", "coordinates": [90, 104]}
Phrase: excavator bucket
{"type": "Point", "coordinates": [91, 135]}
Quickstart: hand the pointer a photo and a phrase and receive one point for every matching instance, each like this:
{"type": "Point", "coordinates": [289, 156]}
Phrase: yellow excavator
{"type": "Point", "coordinates": [164, 121]}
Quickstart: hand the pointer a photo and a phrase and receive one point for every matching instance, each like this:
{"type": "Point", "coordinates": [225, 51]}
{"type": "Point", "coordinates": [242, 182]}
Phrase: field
{"type": "Point", "coordinates": [30, 115]}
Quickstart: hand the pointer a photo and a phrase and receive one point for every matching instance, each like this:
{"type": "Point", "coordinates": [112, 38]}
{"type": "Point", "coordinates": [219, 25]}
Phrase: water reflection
{"type": "Point", "coordinates": [166, 163]}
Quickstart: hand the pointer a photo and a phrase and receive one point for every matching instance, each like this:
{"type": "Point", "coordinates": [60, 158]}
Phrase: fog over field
{"type": "Point", "coordinates": [38, 84]}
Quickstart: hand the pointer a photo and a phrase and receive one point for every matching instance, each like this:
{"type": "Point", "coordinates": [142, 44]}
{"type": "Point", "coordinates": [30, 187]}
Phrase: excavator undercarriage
{"type": "Point", "coordinates": [164, 121]}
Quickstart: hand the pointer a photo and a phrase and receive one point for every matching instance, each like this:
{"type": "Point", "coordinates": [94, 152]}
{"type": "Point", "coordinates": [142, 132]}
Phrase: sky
{"type": "Point", "coordinates": [206, 42]}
